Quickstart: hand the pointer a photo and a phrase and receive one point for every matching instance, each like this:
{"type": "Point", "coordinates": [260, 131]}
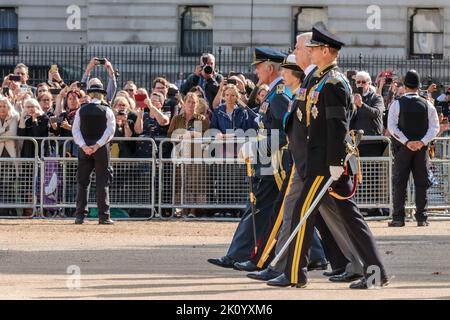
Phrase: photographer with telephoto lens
{"type": "Point", "coordinates": [206, 76]}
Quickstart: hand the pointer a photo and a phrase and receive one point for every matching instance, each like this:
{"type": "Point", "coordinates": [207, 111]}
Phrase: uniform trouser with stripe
{"type": "Point", "coordinates": [266, 248]}
{"type": "Point", "coordinates": [357, 229]}
{"type": "Point", "coordinates": [406, 161]}
{"type": "Point", "coordinates": [103, 172]}
{"type": "Point", "coordinates": [242, 245]}
{"type": "Point", "coordinates": [335, 226]}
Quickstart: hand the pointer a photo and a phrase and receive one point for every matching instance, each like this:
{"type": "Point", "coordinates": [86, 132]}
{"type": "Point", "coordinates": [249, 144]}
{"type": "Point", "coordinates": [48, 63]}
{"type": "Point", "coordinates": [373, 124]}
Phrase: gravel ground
{"type": "Point", "coordinates": [167, 260]}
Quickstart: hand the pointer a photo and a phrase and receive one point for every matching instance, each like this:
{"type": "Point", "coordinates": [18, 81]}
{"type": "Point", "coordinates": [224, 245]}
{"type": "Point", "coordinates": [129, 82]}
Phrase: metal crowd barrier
{"type": "Point", "coordinates": [375, 192]}
{"type": "Point", "coordinates": [162, 183]}
{"type": "Point", "coordinates": [19, 180]}
{"type": "Point", "coordinates": [132, 188]}
{"type": "Point", "coordinates": [209, 184]}
{"type": "Point", "coordinates": [218, 182]}
{"type": "Point", "coordinates": [439, 193]}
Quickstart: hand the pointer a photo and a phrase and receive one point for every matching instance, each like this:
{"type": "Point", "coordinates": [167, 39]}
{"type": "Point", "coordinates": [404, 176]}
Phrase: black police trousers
{"type": "Point", "coordinates": [100, 161]}
{"type": "Point", "coordinates": [405, 162]}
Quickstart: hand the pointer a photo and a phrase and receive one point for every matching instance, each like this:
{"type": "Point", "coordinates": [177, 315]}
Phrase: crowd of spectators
{"type": "Point", "coordinates": [205, 100]}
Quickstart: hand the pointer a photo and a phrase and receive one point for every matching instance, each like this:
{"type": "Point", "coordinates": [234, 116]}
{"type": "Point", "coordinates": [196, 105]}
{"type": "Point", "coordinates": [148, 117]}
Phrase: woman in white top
{"type": "Point", "coordinates": [9, 119]}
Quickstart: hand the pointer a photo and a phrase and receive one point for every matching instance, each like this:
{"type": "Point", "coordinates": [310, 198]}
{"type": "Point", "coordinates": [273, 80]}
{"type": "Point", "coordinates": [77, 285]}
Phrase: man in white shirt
{"type": "Point", "coordinates": [93, 127]}
{"type": "Point", "coordinates": [413, 123]}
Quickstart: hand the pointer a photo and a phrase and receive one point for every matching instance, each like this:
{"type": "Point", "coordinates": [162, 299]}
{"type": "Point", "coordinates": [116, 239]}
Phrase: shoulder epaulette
{"type": "Point", "coordinates": [334, 77]}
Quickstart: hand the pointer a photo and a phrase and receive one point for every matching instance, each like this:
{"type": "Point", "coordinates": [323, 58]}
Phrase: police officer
{"type": "Point", "coordinates": [326, 116]}
{"type": "Point", "coordinates": [268, 178]}
{"type": "Point", "coordinates": [413, 122]}
{"type": "Point", "coordinates": [93, 127]}
{"type": "Point", "coordinates": [346, 263]}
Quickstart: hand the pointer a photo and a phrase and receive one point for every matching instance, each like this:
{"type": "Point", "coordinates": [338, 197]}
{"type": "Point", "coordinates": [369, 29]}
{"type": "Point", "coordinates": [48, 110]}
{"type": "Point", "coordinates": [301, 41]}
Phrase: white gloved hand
{"type": "Point", "coordinates": [336, 172]}
{"type": "Point", "coordinates": [247, 151]}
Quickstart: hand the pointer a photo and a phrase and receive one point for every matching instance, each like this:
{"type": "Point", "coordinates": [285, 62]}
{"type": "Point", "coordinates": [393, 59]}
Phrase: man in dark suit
{"type": "Point", "coordinates": [93, 127]}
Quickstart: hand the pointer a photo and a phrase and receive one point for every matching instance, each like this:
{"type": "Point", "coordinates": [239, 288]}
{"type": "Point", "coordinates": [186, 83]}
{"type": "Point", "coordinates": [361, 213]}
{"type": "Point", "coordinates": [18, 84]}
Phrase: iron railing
{"type": "Point", "coordinates": [142, 63]}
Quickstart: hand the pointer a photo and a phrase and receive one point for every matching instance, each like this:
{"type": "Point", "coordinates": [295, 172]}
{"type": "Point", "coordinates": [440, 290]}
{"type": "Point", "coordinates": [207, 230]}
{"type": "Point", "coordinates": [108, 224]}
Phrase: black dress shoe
{"type": "Point", "coordinates": [334, 272]}
{"type": "Point", "coordinates": [245, 266]}
{"type": "Point", "coordinates": [423, 223]}
{"type": "Point", "coordinates": [263, 275]}
{"type": "Point", "coordinates": [318, 265]}
{"type": "Point", "coordinates": [106, 222]}
{"type": "Point", "coordinates": [362, 284]}
{"type": "Point", "coordinates": [79, 220]}
{"type": "Point", "coordinates": [345, 277]}
{"type": "Point", "coordinates": [224, 262]}
{"type": "Point", "coordinates": [397, 224]}
{"type": "Point", "coordinates": [283, 281]}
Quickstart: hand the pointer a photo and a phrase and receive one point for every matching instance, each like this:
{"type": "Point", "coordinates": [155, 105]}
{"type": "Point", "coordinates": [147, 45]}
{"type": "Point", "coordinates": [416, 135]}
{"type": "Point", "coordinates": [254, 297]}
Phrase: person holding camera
{"type": "Point", "coordinates": [413, 123]}
{"type": "Point", "coordinates": [54, 78]}
{"type": "Point", "coordinates": [230, 80]}
{"type": "Point", "coordinates": [443, 103]}
{"type": "Point", "coordinates": [33, 122]}
{"type": "Point", "coordinates": [205, 76]}
{"type": "Point", "coordinates": [369, 118]}
{"type": "Point", "coordinates": [151, 124]}
{"type": "Point", "coordinates": [112, 82]}
{"type": "Point", "coordinates": [46, 102]}
{"type": "Point", "coordinates": [171, 103]}
{"type": "Point", "coordinates": [61, 125]}
{"type": "Point", "coordinates": [21, 70]}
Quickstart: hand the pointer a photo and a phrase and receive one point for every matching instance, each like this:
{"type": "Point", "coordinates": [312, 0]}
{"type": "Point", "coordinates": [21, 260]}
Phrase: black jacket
{"type": "Point", "coordinates": [32, 129]}
{"type": "Point", "coordinates": [327, 122]}
{"type": "Point", "coordinates": [211, 86]}
{"type": "Point", "coordinates": [295, 124]}
{"type": "Point", "coordinates": [370, 116]}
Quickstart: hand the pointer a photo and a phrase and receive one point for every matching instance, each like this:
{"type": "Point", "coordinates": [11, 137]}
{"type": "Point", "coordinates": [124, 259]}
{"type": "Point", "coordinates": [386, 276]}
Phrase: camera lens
{"type": "Point", "coordinates": [208, 69]}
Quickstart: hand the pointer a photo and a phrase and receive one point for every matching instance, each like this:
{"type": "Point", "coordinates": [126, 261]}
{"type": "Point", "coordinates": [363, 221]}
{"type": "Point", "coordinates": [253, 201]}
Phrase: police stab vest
{"type": "Point", "coordinates": [93, 122]}
{"type": "Point", "coordinates": [413, 117]}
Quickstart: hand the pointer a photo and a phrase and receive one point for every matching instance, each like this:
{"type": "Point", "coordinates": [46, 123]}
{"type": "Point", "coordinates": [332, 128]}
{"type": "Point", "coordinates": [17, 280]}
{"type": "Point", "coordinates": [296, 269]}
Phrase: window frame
{"type": "Point", "coordinates": [412, 33]}
{"type": "Point", "coordinates": [15, 29]}
{"type": "Point", "coordinates": [297, 12]}
{"type": "Point", "coordinates": [203, 47]}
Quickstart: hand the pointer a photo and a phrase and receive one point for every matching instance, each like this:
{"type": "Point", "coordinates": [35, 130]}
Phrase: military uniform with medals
{"type": "Point", "coordinates": [266, 186]}
{"type": "Point", "coordinates": [328, 102]}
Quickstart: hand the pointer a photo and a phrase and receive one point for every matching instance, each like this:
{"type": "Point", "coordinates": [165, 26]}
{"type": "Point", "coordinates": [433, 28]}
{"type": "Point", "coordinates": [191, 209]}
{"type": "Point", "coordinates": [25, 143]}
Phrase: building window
{"type": "Point", "coordinates": [426, 33]}
{"type": "Point", "coordinates": [306, 17]}
{"type": "Point", "coordinates": [196, 30]}
{"type": "Point", "coordinates": [8, 30]}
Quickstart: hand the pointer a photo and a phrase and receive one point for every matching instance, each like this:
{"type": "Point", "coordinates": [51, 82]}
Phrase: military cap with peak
{"type": "Point", "coordinates": [289, 63]}
{"type": "Point", "coordinates": [266, 54]}
{"type": "Point", "coordinates": [322, 37]}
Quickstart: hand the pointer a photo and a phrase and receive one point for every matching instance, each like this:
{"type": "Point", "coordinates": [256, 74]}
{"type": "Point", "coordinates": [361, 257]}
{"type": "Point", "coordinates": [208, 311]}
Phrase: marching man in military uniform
{"type": "Point", "coordinates": [268, 178]}
{"type": "Point", "coordinates": [326, 117]}
{"type": "Point", "coordinates": [342, 255]}
{"type": "Point", "coordinates": [292, 75]}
